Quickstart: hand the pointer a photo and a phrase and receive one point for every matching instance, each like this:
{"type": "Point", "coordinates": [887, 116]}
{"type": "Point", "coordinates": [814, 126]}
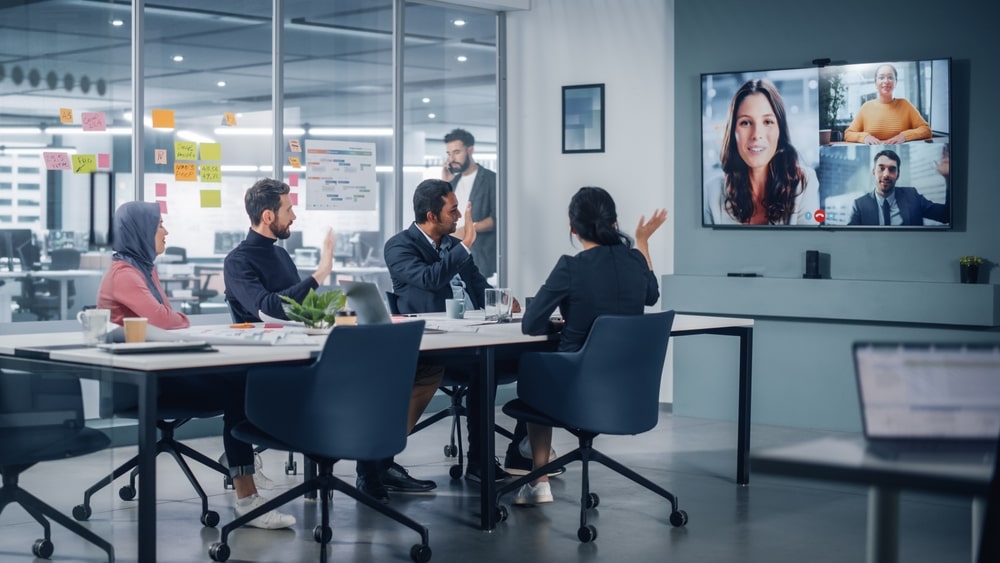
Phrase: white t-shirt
{"type": "Point", "coordinates": [464, 189]}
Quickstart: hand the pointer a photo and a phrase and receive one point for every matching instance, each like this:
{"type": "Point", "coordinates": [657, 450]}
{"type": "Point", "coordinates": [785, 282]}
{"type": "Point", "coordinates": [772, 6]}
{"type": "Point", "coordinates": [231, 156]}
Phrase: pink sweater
{"type": "Point", "coordinates": [124, 291]}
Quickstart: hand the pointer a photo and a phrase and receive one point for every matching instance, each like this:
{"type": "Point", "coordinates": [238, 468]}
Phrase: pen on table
{"type": "Point", "coordinates": [242, 325]}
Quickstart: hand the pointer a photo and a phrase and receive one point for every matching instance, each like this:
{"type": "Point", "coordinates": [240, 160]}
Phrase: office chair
{"type": "Point", "coordinates": [39, 295]}
{"type": "Point", "coordinates": [121, 400]}
{"type": "Point", "coordinates": [610, 386]}
{"type": "Point", "coordinates": [326, 411]}
{"type": "Point", "coordinates": [989, 536]}
{"type": "Point", "coordinates": [41, 419]}
{"type": "Point", "coordinates": [202, 292]}
{"type": "Point", "coordinates": [456, 386]}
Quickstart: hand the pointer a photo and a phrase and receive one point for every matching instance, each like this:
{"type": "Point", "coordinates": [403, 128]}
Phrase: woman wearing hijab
{"type": "Point", "coordinates": [131, 288]}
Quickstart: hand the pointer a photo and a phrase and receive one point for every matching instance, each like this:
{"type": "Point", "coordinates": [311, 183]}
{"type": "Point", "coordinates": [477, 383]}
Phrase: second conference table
{"type": "Point", "coordinates": [64, 353]}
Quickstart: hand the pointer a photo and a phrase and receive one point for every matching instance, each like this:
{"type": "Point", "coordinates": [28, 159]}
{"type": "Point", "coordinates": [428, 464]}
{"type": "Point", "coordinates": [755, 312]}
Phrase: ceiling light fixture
{"type": "Point", "coordinates": [117, 22]}
{"type": "Point", "coordinates": [221, 84]}
{"type": "Point", "coordinates": [461, 58]}
{"type": "Point", "coordinates": [178, 58]}
{"type": "Point", "coordinates": [459, 23]}
{"type": "Point", "coordinates": [351, 131]}
{"type": "Point", "coordinates": [425, 100]}
{"type": "Point", "coordinates": [257, 131]}
{"type": "Point", "coordinates": [431, 115]}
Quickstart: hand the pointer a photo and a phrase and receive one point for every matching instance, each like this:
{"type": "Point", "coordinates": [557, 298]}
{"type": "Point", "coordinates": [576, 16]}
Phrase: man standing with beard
{"type": "Point", "coordinates": [476, 185]}
{"type": "Point", "coordinates": [257, 272]}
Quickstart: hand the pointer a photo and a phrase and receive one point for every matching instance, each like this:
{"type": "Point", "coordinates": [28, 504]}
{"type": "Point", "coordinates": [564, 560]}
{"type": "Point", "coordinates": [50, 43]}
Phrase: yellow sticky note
{"type": "Point", "coordinates": [211, 198]}
{"type": "Point", "coordinates": [185, 150]}
{"type": "Point", "coordinates": [185, 171]}
{"type": "Point", "coordinates": [84, 163]}
{"type": "Point", "coordinates": [163, 118]}
{"type": "Point", "coordinates": [295, 162]}
{"type": "Point", "coordinates": [211, 173]}
{"type": "Point", "coordinates": [65, 115]}
{"type": "Point", "coordinates": [229, 118]}
{"type": "Point", "coordinates": [211, 151]}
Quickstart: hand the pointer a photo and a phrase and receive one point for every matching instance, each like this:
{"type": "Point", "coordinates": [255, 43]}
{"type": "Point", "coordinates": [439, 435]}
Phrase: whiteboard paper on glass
{"type": "Point", "coordinates": [340, 175]}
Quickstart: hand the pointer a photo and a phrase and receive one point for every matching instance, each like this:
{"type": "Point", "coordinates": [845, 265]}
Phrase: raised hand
{"type": "Point", "coordinates": [645, 229]}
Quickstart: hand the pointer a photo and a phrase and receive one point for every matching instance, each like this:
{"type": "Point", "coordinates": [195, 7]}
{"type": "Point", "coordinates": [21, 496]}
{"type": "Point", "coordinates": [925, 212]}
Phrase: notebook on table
{"type": "Point", "coordinates": [929, 401]}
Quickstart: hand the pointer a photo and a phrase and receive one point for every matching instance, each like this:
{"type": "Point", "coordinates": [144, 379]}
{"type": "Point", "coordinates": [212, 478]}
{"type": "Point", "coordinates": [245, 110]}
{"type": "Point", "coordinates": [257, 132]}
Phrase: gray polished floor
{"type": "Point", "coordinates": [771, 521]}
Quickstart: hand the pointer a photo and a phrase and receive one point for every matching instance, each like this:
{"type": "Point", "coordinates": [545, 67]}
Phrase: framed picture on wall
{"type": "Point", "coordinates": [583, 118]}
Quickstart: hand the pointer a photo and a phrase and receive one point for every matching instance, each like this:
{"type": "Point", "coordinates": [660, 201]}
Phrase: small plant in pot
{"type": "Point", "coordinates": [968, 267]}
{"type": "Point", "coordinates": [316, 310]}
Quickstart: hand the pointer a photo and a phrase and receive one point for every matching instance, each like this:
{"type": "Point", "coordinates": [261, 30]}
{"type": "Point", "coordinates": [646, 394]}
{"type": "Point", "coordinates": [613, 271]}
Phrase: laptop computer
{"type": "Point", "coordinates": [929, 398]}
{"type": "Point", "coordinates": [366, 300]}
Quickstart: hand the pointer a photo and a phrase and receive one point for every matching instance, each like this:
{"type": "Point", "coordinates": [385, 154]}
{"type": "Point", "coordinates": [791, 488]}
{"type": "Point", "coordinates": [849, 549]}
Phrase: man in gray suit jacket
{"type": "Point", "coordinates": [888, 204]}
{"type": "Point", "coordinates": [477, 185]}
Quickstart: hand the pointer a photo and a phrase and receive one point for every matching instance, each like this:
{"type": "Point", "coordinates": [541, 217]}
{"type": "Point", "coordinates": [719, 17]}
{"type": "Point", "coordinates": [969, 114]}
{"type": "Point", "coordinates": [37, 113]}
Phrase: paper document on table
{"type": "Point", "coordinates": [275, 320]}
{"type": "Point", "coordinates": [258, 336]}
{"type": "Point", "coordinates": [454, 325]}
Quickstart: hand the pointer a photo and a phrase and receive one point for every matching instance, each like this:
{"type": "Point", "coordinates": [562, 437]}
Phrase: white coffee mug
{"type": "Point", "coordinates": [95, 325]}
{"type": "Point", "coordinates": [455, 308]}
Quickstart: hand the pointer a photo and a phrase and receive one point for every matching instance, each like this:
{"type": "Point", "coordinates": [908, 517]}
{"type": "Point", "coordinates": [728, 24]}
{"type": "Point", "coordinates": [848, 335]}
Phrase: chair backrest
{"type": "Point", "coordinates": [611, 385]}
{"type": "Point", "coordinates": [31, 402]}
{"type": "Point", "coordinates": [179, 252]}
{"type": "Point", "coordinates": [65, 259]}
{"type": "Point", "coordinates": [351, 403]}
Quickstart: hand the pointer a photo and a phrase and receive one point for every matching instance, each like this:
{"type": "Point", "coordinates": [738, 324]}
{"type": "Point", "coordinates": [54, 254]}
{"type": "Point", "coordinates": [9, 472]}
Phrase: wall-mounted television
{"type": "Point", "coordinates": [852, 146]}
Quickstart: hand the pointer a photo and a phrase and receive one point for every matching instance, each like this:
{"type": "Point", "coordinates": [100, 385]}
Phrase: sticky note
{"type": "Point", "coordinates": [163, 118]}
{"type": "Point", "coordinates": [160, 156]}
{"type": "Point", "coordinates": [211, 151]}
{"type": "Point", "coordinates": [185, 150]}
{"type": "Point", "coordinates": [293, 180]}
{"type": "Point", "coordinates": [229, 118]}
{"type": "Point", "coordinates": [185, 171]}
{"type": "Point", "coordinates": [93, 121]}
{"type": "Point", "coordinates": [163, 206]}
{"type": "Point", "coordinates": [65, 115]}
{"type": "Point", "coordinates": [103, 160]}
{"type": "Point", "coordinates": [84, 163]}
{"type": "Point", "coordinates": [56, 161]}
{"type": "Point", "coordinates": [211, 173]}
{"type": "Point", "coordinates": [294, 197]}
{"type": "Point", "coordinates": [161, 189]}
{"type": "Point", "coordinates": [295, 162]}
{"type": "Point", "coordinates": [294, 146]}
{"type": "Point", "coordinates": [211, 198]}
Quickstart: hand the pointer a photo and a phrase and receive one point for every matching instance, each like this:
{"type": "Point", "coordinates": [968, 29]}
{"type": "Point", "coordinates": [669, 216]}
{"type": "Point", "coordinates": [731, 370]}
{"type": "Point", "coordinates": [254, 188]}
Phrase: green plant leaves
{"type": "Point", "coordinates": [317, 310]}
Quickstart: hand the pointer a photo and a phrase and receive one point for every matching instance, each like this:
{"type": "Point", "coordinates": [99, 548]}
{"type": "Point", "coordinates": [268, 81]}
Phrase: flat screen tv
{"type": "Point", "coordinates": [847, 146]}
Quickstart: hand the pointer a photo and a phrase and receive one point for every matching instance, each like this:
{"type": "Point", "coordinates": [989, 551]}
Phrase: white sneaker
{"type": "Point", "coordinates": [272, 520]}
{"type": "Point", "coordinates": [524, 448]}
{"type": "Point", "coordinates": [534, 494]}
{"type": "Point", "coordinates": [260, 480]}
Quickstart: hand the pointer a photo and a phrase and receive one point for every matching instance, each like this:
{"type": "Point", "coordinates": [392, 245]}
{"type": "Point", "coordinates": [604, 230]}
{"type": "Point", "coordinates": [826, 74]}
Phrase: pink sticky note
{"type": "Point", "coordinates": [56, 161]}
{"type": "Point", "coordinates": [103, 160]}
{"type": "Point", "coordinates": [293, 180]}
{"type": "Point", "coordinates": [163, 206]}
{"type": "Point", "coordinates": [161, 189]}
{"type": "Point", "coordinates": [294, 197]}
{"type": "Point", "coordinates": [93, 121]}
{"type": "Point", "coordinates": [160, 156]}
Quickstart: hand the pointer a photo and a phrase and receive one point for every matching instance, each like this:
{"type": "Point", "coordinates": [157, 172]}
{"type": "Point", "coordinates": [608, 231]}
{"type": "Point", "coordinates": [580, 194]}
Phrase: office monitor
{"type": "Point", "coordinates": [11, 240]}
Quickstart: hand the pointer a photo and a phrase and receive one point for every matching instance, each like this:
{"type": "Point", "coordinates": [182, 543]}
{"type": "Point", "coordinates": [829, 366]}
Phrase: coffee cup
{"type": "Point", "coordinates": [135, 329]}
{"type": "Point", "coordinates": [455, 308]}
{"type": "Point", "coordinates": [94, 323]}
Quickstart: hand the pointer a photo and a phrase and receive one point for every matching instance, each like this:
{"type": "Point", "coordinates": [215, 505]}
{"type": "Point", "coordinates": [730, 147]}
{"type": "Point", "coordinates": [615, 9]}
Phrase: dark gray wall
{"type": "Point", "coordinates": [802, 369]}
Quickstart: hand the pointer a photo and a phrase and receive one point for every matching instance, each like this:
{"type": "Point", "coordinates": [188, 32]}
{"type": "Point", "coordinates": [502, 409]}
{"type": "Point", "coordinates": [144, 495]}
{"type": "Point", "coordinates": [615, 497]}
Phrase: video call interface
{"type": "Point", "coordinates": [820, 106]}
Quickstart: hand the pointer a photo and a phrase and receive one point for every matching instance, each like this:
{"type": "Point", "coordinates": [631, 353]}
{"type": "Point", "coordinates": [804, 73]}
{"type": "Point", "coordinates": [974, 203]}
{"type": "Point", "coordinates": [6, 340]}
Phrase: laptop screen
{"type": "Point", "coordinates": [366, 300]}
{"type": "Point", "coordinates": [929, 391]}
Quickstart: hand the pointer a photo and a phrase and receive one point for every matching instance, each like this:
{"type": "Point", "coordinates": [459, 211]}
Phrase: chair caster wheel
{"type": "Point", "coordinates": [210, 519]}
{"type": "Point", "coordinates": [291, 467]}
{"type": "Point", "coordinates": [322, 534]}
{"type": "Point", "coordinates": [455, 471]}
{"type": "Point", "coordinates": [593, 500]}
{"type": "Point", "coordinates": [127, 492]}
{"type": "Point", "coordinates": [42, 548]}
{"type": "Point", "coordinates": [587, 533]}
{"type": "Point", "coordinates": [218, 552]}
{"type": "Point", "coordinates": [501, 513]}
{"type": "Point", "coordinates": [420, 553]}
{"type": "Point", "coordinates": [678, 518]}
{"type": "Point", "coordinates": [450, 450]}
{"type": "Point", "coordinates": [81, 512]}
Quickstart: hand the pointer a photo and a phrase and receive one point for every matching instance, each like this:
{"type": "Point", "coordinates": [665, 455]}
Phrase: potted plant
{"type": "Point", "coordinates": [317, 311]}
{"type": "Point", "coordinates": [968, 268]}
{"type": "Point", "coordinates": [832, 95]}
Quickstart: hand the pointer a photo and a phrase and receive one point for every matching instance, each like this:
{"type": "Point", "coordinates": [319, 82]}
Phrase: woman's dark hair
{"type": "Point", "coordinates": [265, 194]}
{"type": "Point", "coordinates": [785, 180]}
{"type": "Point", "coordinates": [593, 217]}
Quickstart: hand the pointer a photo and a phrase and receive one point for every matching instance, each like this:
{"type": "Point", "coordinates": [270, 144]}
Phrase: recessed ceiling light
{"type": "Point", "coordinates": [431, 115]}
{"type": "Point", "coordinates": [425, 100]}
{"type": "Point", "coordinates": [221, 83]}
{"type": "Point", "coordinates": [462, 58]}
{"type": "Point", "coordinates": [459, 23]}
{"type": "Point", "coordinates": [178, 58]}
{"type": "Point", "coordinates": [117, 22]}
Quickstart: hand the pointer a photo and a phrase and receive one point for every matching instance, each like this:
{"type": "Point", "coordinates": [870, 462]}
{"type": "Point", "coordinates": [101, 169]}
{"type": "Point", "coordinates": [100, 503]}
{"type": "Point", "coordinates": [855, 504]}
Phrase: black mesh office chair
{"type": "Point", "coordinates": [202, 290]}
{"type": "Point", "coordinates": [610, 386]}
{"type": "Point", "coordinates": [326, 410]}
{"type": "Point", "coordinates": [39, 295]}
{"type": "Point", "coordinates": [41, 419]}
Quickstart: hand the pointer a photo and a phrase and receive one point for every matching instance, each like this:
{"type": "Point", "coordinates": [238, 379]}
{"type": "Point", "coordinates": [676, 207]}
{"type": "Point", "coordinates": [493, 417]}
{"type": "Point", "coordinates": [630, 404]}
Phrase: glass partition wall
{"type": "Point", "coordinates": [211, 76]}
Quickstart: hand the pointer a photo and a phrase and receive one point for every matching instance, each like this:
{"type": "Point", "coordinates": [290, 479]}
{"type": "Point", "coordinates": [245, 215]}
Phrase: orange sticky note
{"type": "Point", "coordinates": [211, 173]}
{"type": "Point", "coordinates": [160, 156]}
{"type": "Point", "coordinates": [163, 118]}
{"type": "Point", "coordinates": [93, 121]}
{"type": "Point", "coordinates": [185, 171]}
{"type": "Point", "coordinates": [295, 162]}
{"type": "Point", "coordinates": [229, 118]}
{"type": "Point", "coordinates": [294, 197]}
{"type": "Point", "coordinates": [211, 198]}
{"type": "Point", "coordinates": [163, 206]}
{"type": "Point", "coordinates": [65, 115]}
{"type": "Point", "coordinates": [161, 189]}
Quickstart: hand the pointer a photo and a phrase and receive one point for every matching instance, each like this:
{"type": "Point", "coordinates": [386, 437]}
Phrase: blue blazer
{"type": "Point", "coordinates": [421, 276]}
{"type": "Point", "coordinates": [913, 207]}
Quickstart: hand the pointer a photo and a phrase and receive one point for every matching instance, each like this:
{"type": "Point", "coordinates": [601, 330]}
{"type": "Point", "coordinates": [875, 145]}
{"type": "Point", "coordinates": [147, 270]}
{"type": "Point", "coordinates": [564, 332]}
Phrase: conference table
{"type": "Point", "coordinates": [64, 352]}
{"type": "Point", "coordinates": [62, 276]}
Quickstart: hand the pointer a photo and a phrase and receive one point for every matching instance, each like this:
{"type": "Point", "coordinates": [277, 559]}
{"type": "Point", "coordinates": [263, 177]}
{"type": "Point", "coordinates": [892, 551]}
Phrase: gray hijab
{"type": "Point", "coordinates": [136, 223]}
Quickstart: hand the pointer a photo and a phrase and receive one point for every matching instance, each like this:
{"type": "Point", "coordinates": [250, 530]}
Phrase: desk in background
{"type": "Point", "coordinates": [62, 276]}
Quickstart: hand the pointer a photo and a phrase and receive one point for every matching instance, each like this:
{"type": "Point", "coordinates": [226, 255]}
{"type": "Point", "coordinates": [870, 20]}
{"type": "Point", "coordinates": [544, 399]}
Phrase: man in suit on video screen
{"type": "Point", "coordinates": [889, 205]}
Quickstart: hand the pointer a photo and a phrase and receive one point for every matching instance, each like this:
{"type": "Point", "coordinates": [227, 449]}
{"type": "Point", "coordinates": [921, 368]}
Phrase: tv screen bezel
{"type": "Point", "coordinates": [713, 126]}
